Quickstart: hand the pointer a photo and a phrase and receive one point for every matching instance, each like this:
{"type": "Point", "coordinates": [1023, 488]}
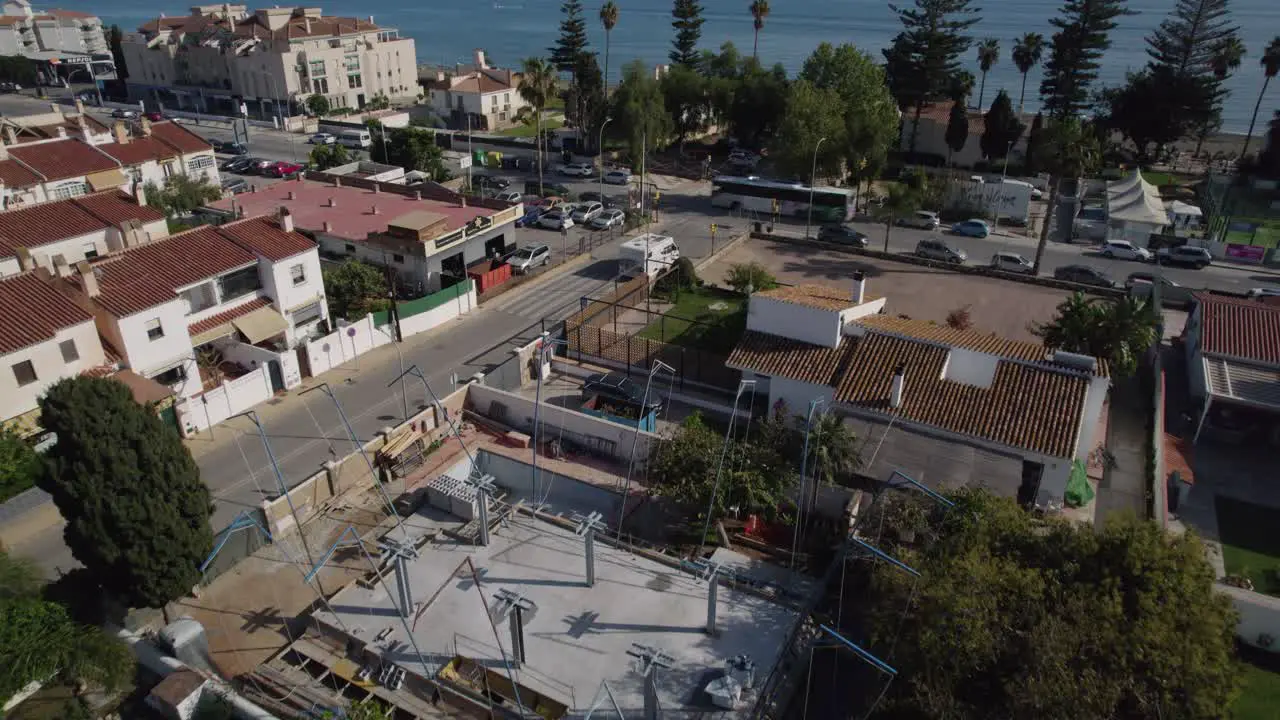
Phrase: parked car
{"type": "Point", "coordinates": [586, 211]}
{"type": "Point", "coordinates": [1125, 250]}
{"type": "Point", "coordinates": [283, 169]}
{"type": "Point", "coordinates": [124, 114]}
{"type": "Point", "coordinates": [940, 250]}
{"type": "Point", "coordinates": [1084, 275]}
{"type": "Point", "coordinates": [1186, 256]}
{"type": "Point", "coordinates": [608, 218]}
{"type": "Point", "coordinates": [259, 166]}
{"type": "Point", "coordinates": [556, 220]}
{"type": "Point", "coordinates": [842, 234]}
{"type": "Point", "coordinates": [548, 188]}
{"type": "Point", "coordinates": [972, 228]}
{"type": "Point", "coordinates": [323, 139]}
{"type": "Point", "coordinates": [1012, 262]}
{"type": "Point", "coordinates": [1090, 223]}
{"type": "Point", "coordinates": [578, 169]}
{"type": "Point", "coordinates": [493, 182]}
{"type": "Point", "coordinates": [593, 196]}
{"type": "Point", "coordinates": [745, 159]}
{"type": "Point", "coordinates": [1140, 284]}
{"type": "Point", "coordinates": [529, 257]}
{"type": "Point", "coordinates": [620, 388]}
{"type": "Point", "coordinates": [531, 215]}
{"type": "Point", "coordinates": [510, 196]}
{"type": "Point", "coordinates": [921, 219]}
{"type": "Point", "coordinates": [1263, 292]}
{"type": "Point", "coordinates": [154, 116]}
{"type": "Point", "coordinates": [231, 147]}
{"type": "Point", "coordinates": [235, 165]}
{"type": "Point", "coordinates": [234, 185]}
{"type": "Point", "coordinates": [9, 87]}
{"type": "Point", "coordinates": [618, 177]}
{"type": "Point", "coordinates": [516, 163]}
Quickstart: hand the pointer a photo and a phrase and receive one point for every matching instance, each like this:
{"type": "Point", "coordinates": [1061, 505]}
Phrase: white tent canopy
{"type": "Point", "coordinates": [1177, 207]}
{"type": "Point", "coordinates": [1134, 200]}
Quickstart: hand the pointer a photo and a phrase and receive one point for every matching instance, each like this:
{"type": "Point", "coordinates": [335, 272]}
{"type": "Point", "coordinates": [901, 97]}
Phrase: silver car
{"type": "Point", "coordinates": [586, 211]}
{"type": "Point", "coordinates": [922, 219]}
{"type": "Point", "coordinates": [529, 257]}
{"type": "Point", "coordinates": [607, 219]}
{"type": "Point", "coordinates": [940, 250]}
{"type": "Point", "coordinates": [1012, 262]}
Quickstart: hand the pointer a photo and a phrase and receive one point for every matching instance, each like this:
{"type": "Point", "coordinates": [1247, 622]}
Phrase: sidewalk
{"type": "Point", "coordinates": [1123, 487]}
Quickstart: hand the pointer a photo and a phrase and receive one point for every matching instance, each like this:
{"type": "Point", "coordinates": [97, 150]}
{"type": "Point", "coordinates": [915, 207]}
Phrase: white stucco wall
{"type": "Point", "coordinates": [797, 395]}
{"type": "Point", "coordinates": [1091, 416]}
{"type": "Point", "coordinates": [147, 357]}
{"type": "Point", "coordinates": [46, 359]}
{"type": "Point", "coordinates": [73, 250]}
{"type": "Point", "coordinates": [798, 322]}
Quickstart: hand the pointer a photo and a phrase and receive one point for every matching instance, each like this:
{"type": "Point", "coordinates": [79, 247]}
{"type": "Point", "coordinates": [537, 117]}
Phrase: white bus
{"type": "Point", "coordinates": [830, 204]}
{"type": "Point", "coordinates": [359, 139]}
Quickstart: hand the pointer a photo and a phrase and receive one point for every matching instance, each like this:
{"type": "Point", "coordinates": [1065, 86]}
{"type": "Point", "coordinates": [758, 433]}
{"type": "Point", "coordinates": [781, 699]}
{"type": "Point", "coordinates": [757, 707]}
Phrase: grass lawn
{"type": "Point", "coordinates": [530, 130]}
{"type": "Point", "coordinates": [1261, 693]}
{"type": "Point", "coordinates": [702, 318]}
{"type": "Point", "coordinates": [1250, 543]}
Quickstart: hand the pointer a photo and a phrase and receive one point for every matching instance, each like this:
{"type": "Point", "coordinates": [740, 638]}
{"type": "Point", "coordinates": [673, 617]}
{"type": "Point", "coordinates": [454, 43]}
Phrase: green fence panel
{"type": "Point", "coordinates": [381, 318]}
{"type": "Point", "coordinates": [435, 300]}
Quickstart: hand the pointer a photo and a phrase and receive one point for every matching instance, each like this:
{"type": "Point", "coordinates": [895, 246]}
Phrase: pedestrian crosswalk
{"type": "Point", "coordinates": [556, 299]}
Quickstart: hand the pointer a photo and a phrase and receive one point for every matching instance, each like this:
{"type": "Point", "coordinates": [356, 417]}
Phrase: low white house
{"type": "Point", "coordinates": [64, 232]}
{"type": "Point", "coordinates": [489, 97]}
{"type": "Point", "coordinates": [44, 337]}
{"type": "Point", "coordinates": [1026, 416]}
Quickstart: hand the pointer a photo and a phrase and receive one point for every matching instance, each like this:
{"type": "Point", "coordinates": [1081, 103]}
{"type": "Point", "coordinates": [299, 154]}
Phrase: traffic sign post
{"type": "Point", "coordinates": [713, 238]}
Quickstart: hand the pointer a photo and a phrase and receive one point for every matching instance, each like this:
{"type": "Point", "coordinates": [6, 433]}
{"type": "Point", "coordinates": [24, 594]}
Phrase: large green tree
{"type": "Point", "coordinates": [1001, 128]}
{"type": "Point", "coordinates": [757, 103]}
{"type": "Point", "coordinates": [923, 61]}
{"type": "Point", "coordinates": [115, 38]}
{"type": "Point", "coordinates": [957, 135]}
{"type": "Point", "coordinates": [812, 116]}
{"type": "Point", "coordinates": [181, 194]}
{"type": "Point", "coordinates": [899, 203]}
{"type": "Point", "coordinates": [1118, 330]}
{"type": "Point", "coordinates": [867, 107]}
{"type": "Point", "coordinates": [1143, 109]}
{"type": "Point", "coordinates": [685, 96]}
{"type": "Point", "coordinates": [1187, 56]}
{"type": "Point", "coordinates": [1084, 34]}
{"type": "Point", "coordinates": [324, 157]}
{"type": "Point", "coordinates": [39, 639]}
{"type": "Point", "coordinates": [416, 149]}
{"type": "Point", "coordinates": [584, 101]}
{"type": "Point", "coordinates": [355, 289]}
{"type": "Point", "coordinates": [20, 465]}
{"type": "Point", "coordinates": [1027, 52]}
{"type": "Point", "coordinates": [537, 85]}
{"type": "Point", "coordinates": [687, 21]}
{"type": "Point", "coordinates": [572, 41]}
{"type": "Point", "coordinates": [1018, 616]}
{"type": "Point", "coordinates": [639, 112]}
{"type": "Point", "coordinates": [137, 513]}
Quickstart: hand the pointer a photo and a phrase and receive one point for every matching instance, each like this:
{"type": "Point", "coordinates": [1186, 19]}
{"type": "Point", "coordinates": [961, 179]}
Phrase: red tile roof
{"type": "Point", "coordinates": [165, 23]}
{"type": "Point", "coordinates": [16, 175]}
{"type": "Point", "coordinates": [178, 137]}
{"type": "Point", "coordinates": [34, 312]}
{"type": "Point", "coordinates": [226, 316]}
{"type": "Point", "coordinates": [62, 159]}
{"type": "Point", "coordinates": [264, 236]}
{"type": "Point", "coordinates": [35, 225]}
{"type": "Point", "coordinates": [139, 150]}
{"type": "Point", "coordinates": [149, 275]}
{"type": "Point", "coordinates": [778, 356]}
{"type": "Point", "coordinates": [1240, 328]}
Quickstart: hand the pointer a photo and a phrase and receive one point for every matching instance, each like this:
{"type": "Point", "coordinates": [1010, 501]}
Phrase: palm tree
{"type": "Point", "coordinates": [1227, 56]}
{"type": "Point", "coordinates": [988, 55]}
{"type": "Point", "coordinates": [1119, 331]}
{"type": "Point", "coordinates": [759, 11]}
{"type": "Point", "coordinates": [1026, 55]}
{"type": "Point", "coordinates": [1270, 68]}
{"type": "Point", "coordinates": [901, 201]}
{"type": "Point", "coordinates": [609, 19]}
{"type": "Point", "coordinates": [537, 85]}
{"type": "Point", "coordinates": [833, 448]}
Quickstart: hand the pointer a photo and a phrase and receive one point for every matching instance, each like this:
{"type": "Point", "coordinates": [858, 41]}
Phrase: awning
{"type": "Point", "coordinates": [261, 324]}
{"type": "Point", "coordinates": [145, 390]}
{"type": "Point", "coordinates": [106, 179]}
{"type": "Point", "coordinates": [213, 333]}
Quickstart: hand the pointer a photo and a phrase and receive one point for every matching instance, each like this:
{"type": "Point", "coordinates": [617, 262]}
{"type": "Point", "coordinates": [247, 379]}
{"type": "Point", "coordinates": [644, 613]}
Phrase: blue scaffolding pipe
{"type": "Point", "coordinates": [242, 521]}
{"type": "Point", "coordinates": [918, 486]}
{"type": "Point", "coordinates": [864, 654]}
{"type": "Point", "coordinates": [884, 556]}
{"type": "Point", "coordinates": [315, 569]}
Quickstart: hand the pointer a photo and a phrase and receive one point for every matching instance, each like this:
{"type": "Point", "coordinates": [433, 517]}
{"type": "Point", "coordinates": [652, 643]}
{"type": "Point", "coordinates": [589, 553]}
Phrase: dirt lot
{"type": "Point", "coordinates": [998, 306]}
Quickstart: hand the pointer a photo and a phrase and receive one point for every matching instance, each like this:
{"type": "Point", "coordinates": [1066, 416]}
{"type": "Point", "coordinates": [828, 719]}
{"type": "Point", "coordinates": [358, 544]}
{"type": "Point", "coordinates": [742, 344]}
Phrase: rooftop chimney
{"type": "Point", "coordinates": [121, 132]}
{"type": "Point", "coordinates": [10, 135]}
{"type": "Point", "coordinates": [859, 287]}
{"type": "Point", "coordinates": [897, 386]}
{"type": "Point", "coordinates": [146, 126]}
{"type": "Point", "coordinates": [25, 262]}
{"type": "Point", "coordinates": [370, 19]}
{"type": "Point", "coordinates": [79, 106]}
{"type": "Point", "coordinates": [286, 220]}
{"type": "Point", "coordinates": [328, 226]}
{"type": "Point", "coordinates": [417, 194]}
{"type": "Point", "coordinates": [373, 210]}
{"type": "Point", "coordinates": [331, 203]}
{"type": "Point", "coordinates": [140, 194]}
{"type": "Point", "coordinates": [337, 181]}
{"type": "Point", "coordinates": [4, 151]}
{"type": "Point", "coordinates": [62, 131]}
{"type": "Point", "coordinates": [293, 195]}
{"type": "Point", "coordinates": [306, 22]}
{"type": "Point", "coordinates": [377, 188]}
{"type": "Point", "coordinates": [478, 55]}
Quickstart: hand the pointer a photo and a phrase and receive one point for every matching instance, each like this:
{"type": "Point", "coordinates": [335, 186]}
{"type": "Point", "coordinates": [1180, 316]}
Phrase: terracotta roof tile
{"type": "Point", "coordinates": [264, 236]}
{"type": "Point", "coordinates": [16, 175]}
{"type": "Point", "coordinates": [822, 297]}
{"type": "Point", "coordinates": [32, 226]}
{"type": "Point", "coordinates": [226, 316]}
{"type": "Point", "coordinates": [139, 150]}
{"type": "Point", "coordinates": [1027, 407]}
{"type": "Point", "coordinates": [1240, 328]}
{"type": "Point", "coordinates": [179, 137]}
{"type": "Point", "coordinates": [115, 207]}
{"type": "Point", "coordinates": [149, 275]}
{"type": "Point", "coordinates": [32, 312]}
{"type": "Point", "coordinates": [778, 356]}
{"type": "Point", "coordinates": [62, 159]}
{"type": "Point", "coordinates": [945, 335]}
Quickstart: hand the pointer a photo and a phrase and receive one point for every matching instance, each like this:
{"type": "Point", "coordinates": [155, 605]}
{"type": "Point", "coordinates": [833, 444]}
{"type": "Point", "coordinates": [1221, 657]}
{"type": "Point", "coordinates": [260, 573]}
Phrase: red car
{"type": "Point", "coordinates": [283, 169]}
{"type": "Point", "coordinates": [154, 116]}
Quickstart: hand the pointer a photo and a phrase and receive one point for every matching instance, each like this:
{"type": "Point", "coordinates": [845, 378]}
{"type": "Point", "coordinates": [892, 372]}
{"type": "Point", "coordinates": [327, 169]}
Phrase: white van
{"type": "Point", "coordinates": [355, 139]}
{"type": "Point", "coordinates": [649, 253]}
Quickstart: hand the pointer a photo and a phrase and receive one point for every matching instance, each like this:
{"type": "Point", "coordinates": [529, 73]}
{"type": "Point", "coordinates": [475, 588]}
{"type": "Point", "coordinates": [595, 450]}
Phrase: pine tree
{"type": "Point", "coordinates": [922, 63]}
{"type": "Point", "coordinates": [573, 37]}
{"type": "Point", "coordinates": [957, 128]}
{"type": "Point", "coordinates": [1084, 28]}
{"type": "Point", "coordinates": [137, 513]}
{"type": "Point", "coordinates": [1035, 141]}
{"type": "Point", "coordinates": [1001, 127]}
{"type": "Point", "coordinates": [688, 25]}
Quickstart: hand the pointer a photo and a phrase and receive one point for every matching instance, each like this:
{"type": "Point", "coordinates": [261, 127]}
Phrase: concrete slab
{"type": "Point", "coordinates": [576, 637]}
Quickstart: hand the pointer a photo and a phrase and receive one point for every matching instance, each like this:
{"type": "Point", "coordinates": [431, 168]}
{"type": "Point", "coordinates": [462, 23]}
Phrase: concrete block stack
{"type": "Point", "coordinates": [454, 496]}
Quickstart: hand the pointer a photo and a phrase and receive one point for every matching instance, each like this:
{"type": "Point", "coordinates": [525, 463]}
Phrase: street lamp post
{"type": "Point", "coordinates": [404, 396]}
{"type": "Point", "coordinates": [600, 148]}
{"type": "Point", "coordinates": [275, 100]}
{"type": "Point", "coordinates": [813, 174]}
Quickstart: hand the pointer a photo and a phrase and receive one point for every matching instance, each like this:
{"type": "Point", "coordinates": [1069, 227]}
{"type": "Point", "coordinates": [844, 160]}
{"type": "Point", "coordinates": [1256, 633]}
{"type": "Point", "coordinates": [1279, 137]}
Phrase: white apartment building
{"type": "Point", "coordinates": [221, 57]}
{"type": "Point", "coordinates": [488, 97]}
{"type": "Point", "coordinates": [56, 235]}
{"type": "Point", "coordinates": [44, 337]}
{"type": "Point", "coordinates": [47, 34]}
